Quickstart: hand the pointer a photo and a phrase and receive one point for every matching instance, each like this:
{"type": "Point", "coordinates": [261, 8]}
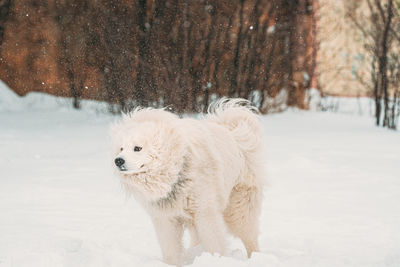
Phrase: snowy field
{"type": "Point", "coordinates": [333, 197]}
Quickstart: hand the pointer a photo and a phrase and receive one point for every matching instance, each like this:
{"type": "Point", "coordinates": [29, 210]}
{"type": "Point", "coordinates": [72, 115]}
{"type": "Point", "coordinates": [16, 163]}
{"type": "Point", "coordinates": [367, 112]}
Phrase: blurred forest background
{"type": "Point", "coordinates": [185, 53]}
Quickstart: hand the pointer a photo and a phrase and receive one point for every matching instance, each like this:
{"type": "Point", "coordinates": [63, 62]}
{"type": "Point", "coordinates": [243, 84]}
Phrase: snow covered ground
{"type": "Point", "coordinates": [333, 197]}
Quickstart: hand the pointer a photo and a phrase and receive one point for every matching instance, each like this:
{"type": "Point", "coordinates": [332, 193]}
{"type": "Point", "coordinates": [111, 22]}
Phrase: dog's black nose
{"type": "Point", "coordinates": [119, 162]}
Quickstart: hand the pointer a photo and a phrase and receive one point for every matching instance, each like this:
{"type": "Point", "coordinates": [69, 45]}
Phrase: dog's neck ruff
{"type": "Point", "coordinates": [169, 200]}
{"type": "Point", "coordinates": [176, 189]}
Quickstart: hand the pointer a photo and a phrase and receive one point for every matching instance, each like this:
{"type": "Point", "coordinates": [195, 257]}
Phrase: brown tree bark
{"type": "Point", "coordinates": [153, 52]}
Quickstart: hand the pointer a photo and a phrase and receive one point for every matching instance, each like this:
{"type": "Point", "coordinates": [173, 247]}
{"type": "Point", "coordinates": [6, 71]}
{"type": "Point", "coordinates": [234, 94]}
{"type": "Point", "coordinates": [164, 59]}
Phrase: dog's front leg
{"type": "Point", "coordinates": [169, 233]}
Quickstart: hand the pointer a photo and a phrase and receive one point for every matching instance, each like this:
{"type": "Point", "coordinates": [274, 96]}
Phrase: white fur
{"type": "Point", "coordinates": [205, 175]}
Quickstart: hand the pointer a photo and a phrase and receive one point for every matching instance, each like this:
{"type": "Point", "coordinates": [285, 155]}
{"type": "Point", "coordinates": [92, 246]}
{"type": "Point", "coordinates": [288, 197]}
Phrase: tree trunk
{"type": "Point", "coordinates": [4, 11]}
{"type": "Point", "coordinates": [383, 61]}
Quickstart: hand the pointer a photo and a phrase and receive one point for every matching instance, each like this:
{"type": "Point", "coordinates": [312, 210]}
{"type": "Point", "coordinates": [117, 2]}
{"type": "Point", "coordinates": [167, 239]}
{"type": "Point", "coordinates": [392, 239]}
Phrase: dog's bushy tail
{"type": "Point", "coordinates": [241, 119]}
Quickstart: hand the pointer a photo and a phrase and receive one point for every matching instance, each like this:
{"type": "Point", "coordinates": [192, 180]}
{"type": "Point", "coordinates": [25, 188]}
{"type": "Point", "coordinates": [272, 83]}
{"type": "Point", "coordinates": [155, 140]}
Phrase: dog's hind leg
{"type": "Point", "coordinates": [211, 230]}
{"type": "Point", "coordinates": [241, 215]}
{"type": "Point", "coordinates": [194, 237]}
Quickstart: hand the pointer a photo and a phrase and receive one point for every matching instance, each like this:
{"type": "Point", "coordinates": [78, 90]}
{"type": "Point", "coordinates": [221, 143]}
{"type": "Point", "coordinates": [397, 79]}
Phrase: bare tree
{"type": "Point", "coordinates": [71, 20]}
{"type": "Point", "coordinates": [381, 43]}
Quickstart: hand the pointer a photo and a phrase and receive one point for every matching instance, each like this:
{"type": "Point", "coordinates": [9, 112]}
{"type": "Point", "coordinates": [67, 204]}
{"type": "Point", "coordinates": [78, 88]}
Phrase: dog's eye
{"type": "Point", "coordinates": [122, 148]}
{"type": "Point", "coordinates": [137, 148]}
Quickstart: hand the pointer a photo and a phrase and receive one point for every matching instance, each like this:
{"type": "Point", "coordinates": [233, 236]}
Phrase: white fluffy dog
{"type": "Point", "coordinates": [205, 175]}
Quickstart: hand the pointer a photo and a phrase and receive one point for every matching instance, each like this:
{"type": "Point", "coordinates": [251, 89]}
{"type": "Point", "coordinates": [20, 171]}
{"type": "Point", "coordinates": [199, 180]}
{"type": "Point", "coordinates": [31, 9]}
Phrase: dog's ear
{"type": "Point", "coordinates": [171, 139]}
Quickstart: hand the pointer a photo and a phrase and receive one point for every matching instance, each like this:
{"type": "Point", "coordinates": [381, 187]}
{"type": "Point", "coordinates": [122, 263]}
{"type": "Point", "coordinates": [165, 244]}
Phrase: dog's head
{"type": "Point", "coordinates": [148, 151]}
{"type": "Point", "coordinates": [136, 148]}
